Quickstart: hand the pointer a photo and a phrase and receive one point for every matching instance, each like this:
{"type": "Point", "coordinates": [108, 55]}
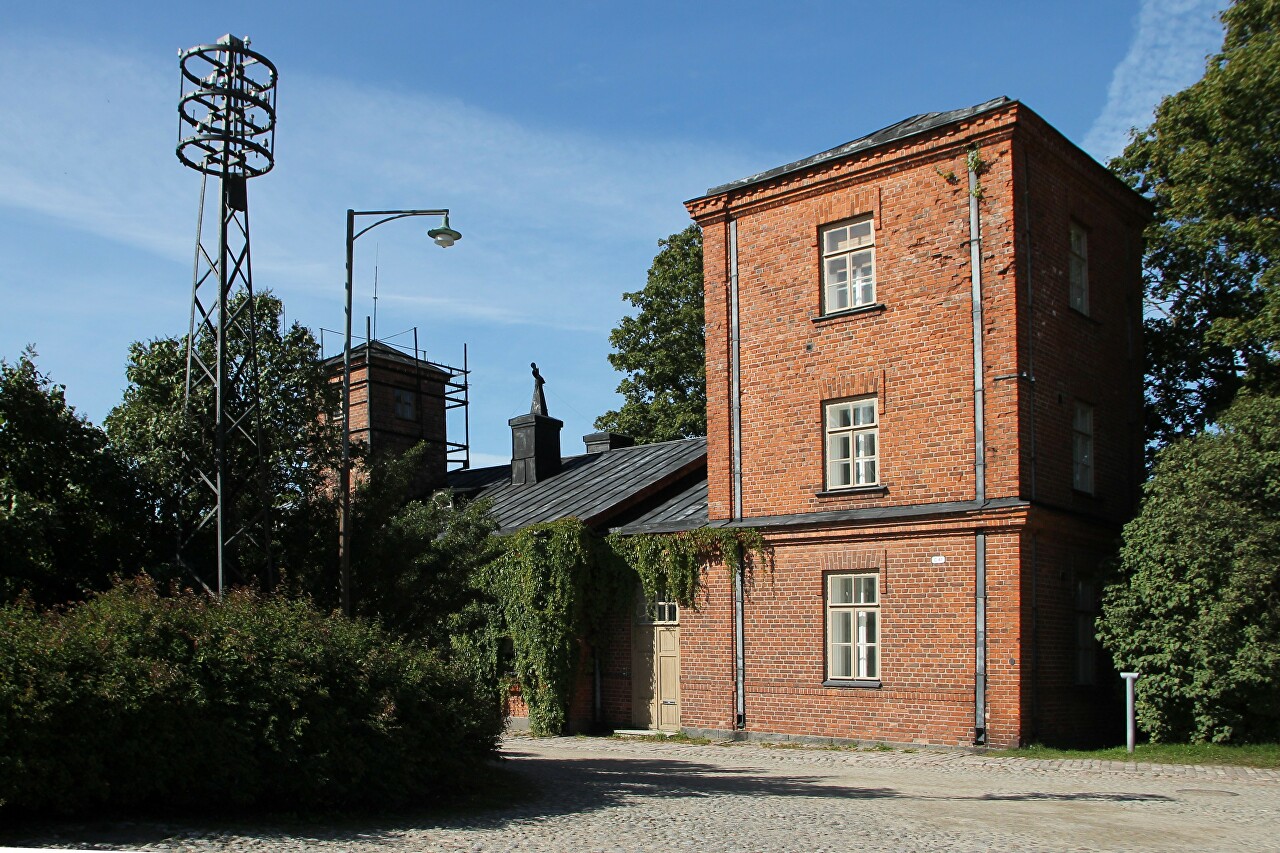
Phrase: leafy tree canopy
{"type": "Point", "coordinates": [661, 349]}
{"type": "Point", "coordinates": [416, 559]}
{"type": "Point", "coordinates": [1210, 162]}
{"type": "Point", "coordinates": [300, 442]}
{"type": "Point", "coordinates": [70, 516]}
{"type": "Point", "coordinates": [1199, 612]}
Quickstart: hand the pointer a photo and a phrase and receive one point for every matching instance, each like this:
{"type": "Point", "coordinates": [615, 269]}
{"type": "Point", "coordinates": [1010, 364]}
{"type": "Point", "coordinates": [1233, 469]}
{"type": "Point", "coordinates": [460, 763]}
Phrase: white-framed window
{"type": "Point", "coordinates": [848, 265]}
{"type": "Point", "coordinates": [1079, 268]}
{"type": "Point", "coordinates": [853, 627]}
{"type": "Point", "coordinates": [852, 435]}
{"type": "Point", "coordinates": [657, 611]}
{"type": "Point", "coordinates": [1082, 448]}
{"type": "Point", "coordinates": [406, 404]}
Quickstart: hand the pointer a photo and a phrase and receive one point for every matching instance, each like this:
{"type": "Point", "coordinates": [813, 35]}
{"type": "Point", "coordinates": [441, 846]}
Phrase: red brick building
{"type": "Point", "coordinates": [924, 376]}
{"type": "Point", "coordinates": [924, 385]}
{"type": "Point", "coordinates": [399, 400]}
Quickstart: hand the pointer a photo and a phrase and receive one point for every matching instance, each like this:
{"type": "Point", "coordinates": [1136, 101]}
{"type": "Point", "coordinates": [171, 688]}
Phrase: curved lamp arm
{"type": "Point", "coordinates": [444, 237]}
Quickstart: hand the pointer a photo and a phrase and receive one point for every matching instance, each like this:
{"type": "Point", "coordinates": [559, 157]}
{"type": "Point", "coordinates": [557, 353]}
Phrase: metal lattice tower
{"type": "Point", "coordinates": [227, 117]}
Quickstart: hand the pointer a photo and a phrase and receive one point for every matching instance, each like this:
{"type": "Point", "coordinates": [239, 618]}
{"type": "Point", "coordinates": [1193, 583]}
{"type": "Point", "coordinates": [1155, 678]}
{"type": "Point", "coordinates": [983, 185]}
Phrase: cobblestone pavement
{"type": "Point", "coordinates": [618, 795]}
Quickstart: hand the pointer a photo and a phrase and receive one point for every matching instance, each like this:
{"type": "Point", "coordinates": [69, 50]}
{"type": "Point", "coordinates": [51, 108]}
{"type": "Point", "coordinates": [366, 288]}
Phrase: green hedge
{"type": "Point", "coordinates": [134, 699]}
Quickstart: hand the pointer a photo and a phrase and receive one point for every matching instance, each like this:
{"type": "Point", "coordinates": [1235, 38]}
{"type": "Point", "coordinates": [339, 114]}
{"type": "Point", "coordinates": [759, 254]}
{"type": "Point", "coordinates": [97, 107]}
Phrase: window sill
{"type": "Point", "coordinates": [874, 308]}
{"type": "Point", "coordinates": [864, 683]}
{"type": "Point", "coordinates": [859, 491]}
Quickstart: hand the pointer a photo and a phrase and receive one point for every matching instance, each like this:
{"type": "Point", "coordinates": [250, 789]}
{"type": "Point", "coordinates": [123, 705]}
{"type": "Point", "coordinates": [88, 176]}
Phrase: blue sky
{"type": "Point", "coordinates": [564, 136]}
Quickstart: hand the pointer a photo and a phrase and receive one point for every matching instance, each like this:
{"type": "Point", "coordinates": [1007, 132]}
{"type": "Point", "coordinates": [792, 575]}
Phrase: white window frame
{"type": "Point", "coordinates": [1083, 464]}
{"type": "Point", "coordinates": [851, 443]}
{"type": "Point", "coordinates": [657, 611]}
{"type": "Point", "coordinates": [405, 400]}
{"type": "Point", "coordinates": [848, 265]}
{"type": "Point", "coordinates": [1078, 268]}
{"type": "Point", "coordinates": [853, 627]}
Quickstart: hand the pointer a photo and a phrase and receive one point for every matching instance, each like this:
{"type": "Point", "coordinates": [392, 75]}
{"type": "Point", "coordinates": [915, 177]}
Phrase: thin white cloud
{"type": "Point", "coordinates": [1172, 40]}
{"type": "Point", "coordinates": [557, 224]}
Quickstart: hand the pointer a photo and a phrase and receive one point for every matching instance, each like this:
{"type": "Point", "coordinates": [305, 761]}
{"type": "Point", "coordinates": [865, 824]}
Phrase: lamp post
{"type": "Point", "coordinates": [444, 237]}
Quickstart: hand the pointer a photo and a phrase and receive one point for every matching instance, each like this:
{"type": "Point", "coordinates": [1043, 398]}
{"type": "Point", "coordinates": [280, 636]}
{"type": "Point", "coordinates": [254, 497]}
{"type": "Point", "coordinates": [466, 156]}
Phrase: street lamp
{"type": "Point", "coordinates": [444, 237]}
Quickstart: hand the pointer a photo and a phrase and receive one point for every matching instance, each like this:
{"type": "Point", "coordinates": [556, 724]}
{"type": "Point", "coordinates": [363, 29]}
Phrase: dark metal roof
{"type": "Point", "coordinates": [684, 510]}
{"type": "Point", "coordinates": [894, 132]}
{"type": "Point", "coordinates": [594, 487]}
{"type": "Point", "coordinates": [385, 352]}
{"type": "Point", "coordinates": [879, 513]}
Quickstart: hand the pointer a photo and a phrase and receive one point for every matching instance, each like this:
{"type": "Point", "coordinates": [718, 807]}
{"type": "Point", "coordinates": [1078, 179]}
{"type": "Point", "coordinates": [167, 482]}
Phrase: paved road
{"type": "Point", "coordinates": [612, 795]}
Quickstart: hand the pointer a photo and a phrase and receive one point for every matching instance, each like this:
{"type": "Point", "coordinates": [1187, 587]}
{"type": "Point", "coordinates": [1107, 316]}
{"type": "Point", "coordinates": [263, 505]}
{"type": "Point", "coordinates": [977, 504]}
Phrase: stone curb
{"type": "Point", "coordinates": [926, 756]}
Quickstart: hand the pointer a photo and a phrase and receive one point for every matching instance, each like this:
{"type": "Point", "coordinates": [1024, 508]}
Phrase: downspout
{"type": "Point", "coordinates": [1031, 319]}
{"type": "Point", "coordinates": [975, 266]}
{"type": "Point", "coordinates": [1031, 438]}
{"type": "Point", "coordinates": [979, 458]}
{"type": "Point", "coordinates": [1035, 638]}
{"type": "Point", "coordinates": [735, 371]}
{"type": "Point", "coordinates": [597, 698]}
{"type": "Point", "coordinates": [735, 415]}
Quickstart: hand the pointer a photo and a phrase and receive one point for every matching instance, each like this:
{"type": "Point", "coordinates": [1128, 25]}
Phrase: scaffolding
{"type": "Point", "coordinates": [454, 397]}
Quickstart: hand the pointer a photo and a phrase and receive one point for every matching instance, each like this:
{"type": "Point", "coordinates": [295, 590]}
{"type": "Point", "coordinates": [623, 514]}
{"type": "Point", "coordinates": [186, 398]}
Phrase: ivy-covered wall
{"type": "Point", "coordinates": [557, 587]}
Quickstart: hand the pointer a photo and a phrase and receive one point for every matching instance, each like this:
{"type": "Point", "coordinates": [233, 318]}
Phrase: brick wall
{"type": "Point", "coordinates": [913, 350]}
{"type": "Point", "coordinates": [373, 397]}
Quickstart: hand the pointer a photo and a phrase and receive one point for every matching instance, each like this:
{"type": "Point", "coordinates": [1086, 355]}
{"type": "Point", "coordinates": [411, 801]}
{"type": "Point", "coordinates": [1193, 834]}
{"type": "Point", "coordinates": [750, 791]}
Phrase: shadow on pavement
{"type": "Point", "coordinates": [545, 787]}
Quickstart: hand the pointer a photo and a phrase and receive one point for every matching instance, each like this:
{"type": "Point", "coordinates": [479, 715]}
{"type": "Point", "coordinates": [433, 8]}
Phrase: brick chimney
{"type": "Point", "coordinates": [535, 439]}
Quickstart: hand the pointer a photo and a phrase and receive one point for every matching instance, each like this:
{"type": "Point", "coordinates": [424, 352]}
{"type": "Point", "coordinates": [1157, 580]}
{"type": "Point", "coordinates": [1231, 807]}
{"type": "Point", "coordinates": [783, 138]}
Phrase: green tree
{"type": "Point", "coordinates": [1210, 163]}
{"type": "Point", "coordinates": [661, 349]}
{"type": "Point", "coordinates": [1198, 614]}
{"type": "Point", "coordinates": [70, 515]}
{"type": "Point", "coordinates": [300, 446]}
{"type": "Point", "coordinates": [416, 558]}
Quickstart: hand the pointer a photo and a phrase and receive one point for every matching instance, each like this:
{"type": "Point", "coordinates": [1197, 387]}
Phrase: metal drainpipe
{"type": "Point", "coordinates": [735, 408]}
{"type": "Point", "coordinates": [735, 370]}
{"type": "Point", "coordinates": [1031, 392]}
{"type": "Point", "coordinates": [1031, 330]}
{"type": "Point", "coordinates": [1035, 638]}
{"type": "Point", "coordinates": [597, 698]}
{"type": "Point", "coordinates": [979, 465]}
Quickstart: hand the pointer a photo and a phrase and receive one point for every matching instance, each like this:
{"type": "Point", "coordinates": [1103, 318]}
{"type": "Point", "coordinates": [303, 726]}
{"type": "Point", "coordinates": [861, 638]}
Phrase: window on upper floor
{"type": "Point", "coordinates": [853, 627]}
{"type": "Point", "coordinates": [405, 404]}
{"type": "Point", "coordinates": [848, 265]}
{"type": "Point", "coordinates": [1082, 448]}
{"type": "Point", "coordinates": [1079, 268]}
{"type": "Point", "coordinates": [852, 435]}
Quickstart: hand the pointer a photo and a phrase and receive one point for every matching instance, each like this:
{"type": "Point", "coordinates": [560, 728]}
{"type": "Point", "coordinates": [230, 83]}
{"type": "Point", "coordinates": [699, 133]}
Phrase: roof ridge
{"type": "Point", "coordinates": [911, 126]}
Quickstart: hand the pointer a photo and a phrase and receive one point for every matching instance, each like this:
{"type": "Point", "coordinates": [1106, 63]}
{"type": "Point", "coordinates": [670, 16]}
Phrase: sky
{"type": "Point", "coordinates": [564, 137]}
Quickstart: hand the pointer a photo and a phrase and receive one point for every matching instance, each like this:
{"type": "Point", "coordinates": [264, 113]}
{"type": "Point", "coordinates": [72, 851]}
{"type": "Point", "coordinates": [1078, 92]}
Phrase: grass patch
{"type": "Point", "coordinates": [1264, 755]}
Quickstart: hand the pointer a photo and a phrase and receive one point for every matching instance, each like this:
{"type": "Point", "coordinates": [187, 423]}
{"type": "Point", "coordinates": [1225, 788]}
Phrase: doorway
{"type": "Point", "coordinates": [655, 644]}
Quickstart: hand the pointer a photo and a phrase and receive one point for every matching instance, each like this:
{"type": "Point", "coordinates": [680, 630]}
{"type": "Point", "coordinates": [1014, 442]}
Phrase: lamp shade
{"type": "Point", "coordinates": [444, 236]}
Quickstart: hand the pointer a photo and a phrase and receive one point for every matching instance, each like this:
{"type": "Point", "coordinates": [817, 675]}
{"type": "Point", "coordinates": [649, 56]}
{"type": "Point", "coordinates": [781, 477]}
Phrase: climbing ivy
{"type": "Point", "coordinates": [555, 584]}
{"type": "Point", "coordinates": [557, 587]}
{"type": "Point", "coordinates": [669, 565]}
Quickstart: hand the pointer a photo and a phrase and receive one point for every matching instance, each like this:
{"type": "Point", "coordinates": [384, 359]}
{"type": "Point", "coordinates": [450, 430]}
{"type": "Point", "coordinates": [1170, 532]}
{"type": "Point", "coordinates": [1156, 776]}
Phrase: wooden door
{"type": "Point", "coordinates": [655, 683]}
{"type": "Point", "coordinates": [667, 659]}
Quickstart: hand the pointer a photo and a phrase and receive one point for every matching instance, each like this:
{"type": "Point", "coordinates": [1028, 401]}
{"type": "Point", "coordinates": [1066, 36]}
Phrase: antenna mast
{"type": "Point", "coordinates": [227, 117]}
